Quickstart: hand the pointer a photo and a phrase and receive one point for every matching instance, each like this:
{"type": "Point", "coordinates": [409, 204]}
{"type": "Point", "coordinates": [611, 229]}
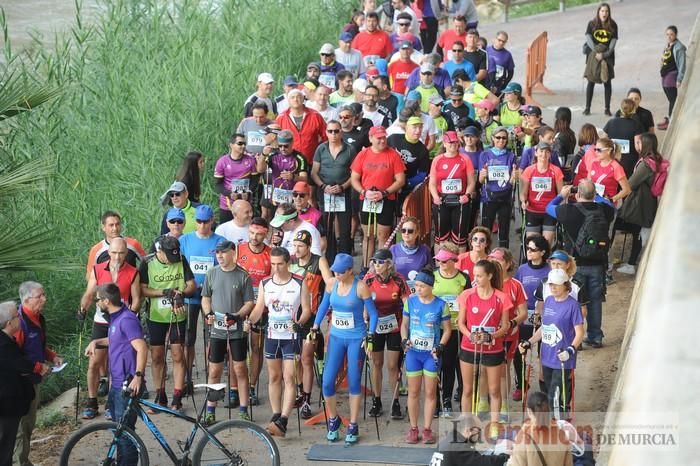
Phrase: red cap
{"type": "Point", "coordinates": [450, 136]}
{"type": "Point", "coordinates": [377, 131]}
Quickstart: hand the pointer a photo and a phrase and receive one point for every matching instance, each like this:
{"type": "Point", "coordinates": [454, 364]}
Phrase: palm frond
{"type": "Point", "coordinates": [24, 248]}
{"type": "Point", "coordinates": [27, 177]}
{"type": "Point", "coordinates": [18, 94]}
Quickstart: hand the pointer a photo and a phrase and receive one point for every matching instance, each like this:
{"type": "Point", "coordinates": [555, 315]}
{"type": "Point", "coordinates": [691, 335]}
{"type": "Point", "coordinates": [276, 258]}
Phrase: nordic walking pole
{"type": "Point", "coordinates": [563, 388]}
{"type": "Point", "coordinates": [228, 371]}
{"type": "Point", "coordinates": [522, 382]}
{"type": "Point", "coordinates": [81, 328]}
{"type": "Point", "coordinates": [296, 387]}
{"type": "Point", "coordinates": [364, 389]}
{"type": "Point", "coordinates": [371, 388]}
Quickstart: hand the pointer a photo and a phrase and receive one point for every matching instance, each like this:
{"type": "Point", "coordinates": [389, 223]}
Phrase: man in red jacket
{"type": "Point", "coordinates": [307, 125]}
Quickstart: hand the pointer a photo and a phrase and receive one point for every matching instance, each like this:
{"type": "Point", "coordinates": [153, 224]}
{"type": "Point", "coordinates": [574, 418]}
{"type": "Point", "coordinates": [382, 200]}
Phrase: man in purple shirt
{"type": "Point", "coordinates": [127, 354]}
{"type": "Point", "coordinates": [441, 78]}
{"type": "Point", "coordinates": [501, 65]}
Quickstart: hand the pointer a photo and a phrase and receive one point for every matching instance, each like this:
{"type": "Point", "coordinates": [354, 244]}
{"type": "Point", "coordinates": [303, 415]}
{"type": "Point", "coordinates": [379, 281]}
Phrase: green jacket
{"type": "Point", "coordinates": [640, 206]}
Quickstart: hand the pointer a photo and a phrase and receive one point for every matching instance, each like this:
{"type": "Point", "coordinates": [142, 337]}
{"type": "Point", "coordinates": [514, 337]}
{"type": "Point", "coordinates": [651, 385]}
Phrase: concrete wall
{"type": "Point", "coordinates": [659, 376]}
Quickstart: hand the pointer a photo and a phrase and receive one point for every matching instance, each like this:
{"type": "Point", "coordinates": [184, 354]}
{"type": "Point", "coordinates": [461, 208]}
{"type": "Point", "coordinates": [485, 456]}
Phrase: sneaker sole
{"type": "Point", "coordinates": [275, 431]}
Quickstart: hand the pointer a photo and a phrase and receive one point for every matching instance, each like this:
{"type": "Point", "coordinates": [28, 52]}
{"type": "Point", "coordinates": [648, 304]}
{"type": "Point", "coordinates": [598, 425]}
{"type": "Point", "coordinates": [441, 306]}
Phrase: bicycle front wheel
{"type": "Point", "coordinates": [247, 443]}
{"type": "Point", "coordinates": [95, 444]}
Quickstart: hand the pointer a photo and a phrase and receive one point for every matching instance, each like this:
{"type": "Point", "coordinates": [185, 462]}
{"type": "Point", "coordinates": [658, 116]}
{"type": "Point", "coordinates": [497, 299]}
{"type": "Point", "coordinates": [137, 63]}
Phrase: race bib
{"type": "Point", "coordinates": [500, 71]}
{"type": "Point", "coordinates": [497, 172]}
{"type": "Point", "coordinates": [451, 186]}
{"type": "Point", "coordinates": [387, 324]}
{"type": "Point", "coordinates": [255, 138]}
{"type": "Point", "coordinates": [599, 189]}
{"type": "Point", "coordinates": [280, 329]}
{"type": "Point", "coordinates": [267, 192]}
{"type": "Point", "coordinates": [201, 264]}
{"type": "Point", "coordinates": [483, 329]}
{"type": "Point", "coordinates": [550, 335]}
{"type": "Point", "coordinates": [451, 301]}
{"type": "Point", "coordinates": [624, 145]}
{"type": "Point", "coordinates": [220, 323]}
{"type": "Point", "coordinates": [422, 342]}
{"type": "Point", "coordinates": [374, 207]}
{"type": "Point", "coordinates": [163, 303]}
{"type": "Point", "coordinates": [343, 320]}
{"type": "Point", "coordinates": [411, 286]}
{"type": "Point", "coordinates": [282, 196]}
{"type": "Point", "coordinates": [334, 202]}
{"type": "Point", "coordinates": [327, 80]}
{"type": "Point", "coordinates": [240, 186]}
{"type": "Point", "coordinates": [541, 184]}
{"type": "Point", "coordinates": [255, 294]}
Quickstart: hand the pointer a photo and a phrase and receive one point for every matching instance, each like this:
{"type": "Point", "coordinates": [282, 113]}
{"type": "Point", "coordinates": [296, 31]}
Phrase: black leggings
{"type": "Point", "coordinates": [488, 216]}
{"type": "Point", "coordinates": [525, 334]}
{"type": "Point", "coordinates": [589, 94]}
{"type": "Point", "coordinates": [428, 36]}
{"type": "Point", "coordinates": [452, 222]}
{"type": "Point", "coordinates": [450, 366]}
{"type": "Point", "coordinates": [553, 380]}
{"type": "Point", "coordinates": [671, 94]}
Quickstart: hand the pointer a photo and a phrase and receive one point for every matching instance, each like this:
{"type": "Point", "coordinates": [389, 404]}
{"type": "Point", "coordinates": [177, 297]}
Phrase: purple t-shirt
{"type": "Point", "coordinates": [499, 61]}
{"type": "Point", "coordinates": [531, 276]}
{"type": "Point", "coordinates": [280, 163]}
{"type": "Point", "coordinates": [558, 321]}
{"type": "Point", "coordinates": [124, 327]}
{"type": "Point", "coordinates": [528, 158]}
{"type": "Point", "coordinates": [405, 262]}
{"type": "Point", "coordinates": [474, 157]}
{"type": "Point", "coordinates": [500, 169]}
{"type": "Point", "coordinates": [236, 174]}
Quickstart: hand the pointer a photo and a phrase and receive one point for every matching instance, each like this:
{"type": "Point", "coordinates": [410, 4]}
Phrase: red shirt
{"type": "Point", "coordinates": [465, 264]}
{"type": "Point", "coordinates": [125, 277]}
{"type": "Point", "coordinates": [543, 186]}
{"type": "Point", "coordinates": [377, 169]}
{"type": "Point", "coordinates": [257, 264]}
{"type": "Point", "coordinates": [477, 309]}
{"type": "Point", "coordinates": [449, 170]}
{"type": "Point", "coordinates": [606, 178]}
{"type": "Point", "coordinates": [515, 291]}
{"type": "Point", "coordinates": [388, 297]}
{"type": "Point", "coordinates": [399, 71]}
{"type": "Point", "coordinates": [311, 134]}
{"type": "Point", "coordinates": [373, 43]}
{"type": "Point", "coordinates": [447, 40]}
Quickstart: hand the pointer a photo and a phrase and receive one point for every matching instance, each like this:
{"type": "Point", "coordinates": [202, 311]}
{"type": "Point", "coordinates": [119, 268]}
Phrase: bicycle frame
{"type": "Point", "coordinates": [137, 406]}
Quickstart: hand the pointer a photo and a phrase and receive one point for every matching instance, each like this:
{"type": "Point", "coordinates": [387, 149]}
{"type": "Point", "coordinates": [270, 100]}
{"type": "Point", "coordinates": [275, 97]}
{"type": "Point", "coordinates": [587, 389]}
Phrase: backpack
{"type": "Point", "coordinates": [660, 175]}
{"type": "Point", "coordinates": [592, 241]}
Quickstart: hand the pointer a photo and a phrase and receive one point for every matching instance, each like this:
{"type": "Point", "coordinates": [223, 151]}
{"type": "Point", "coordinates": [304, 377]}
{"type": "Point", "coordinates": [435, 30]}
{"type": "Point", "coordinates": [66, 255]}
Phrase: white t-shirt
{"type": "Point", "coordinates": [376, 117]}
{"type": "Point", "coordinates": [288, 238]}
{"type": "Point", "coordinates": [330, 113]}
{"type": "Point", "coordinates": [233, 232]}
{"type": "Point", "coordinates": [352, 61]}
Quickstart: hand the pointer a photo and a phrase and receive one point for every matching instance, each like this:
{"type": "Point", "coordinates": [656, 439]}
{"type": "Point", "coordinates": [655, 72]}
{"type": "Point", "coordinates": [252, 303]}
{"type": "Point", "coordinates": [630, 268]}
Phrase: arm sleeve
{"type": "Point", "coordinates": [589, 41]}
{"type": "Point", "coordinates": [611, 48]}
{"type": "Point", "coordinates": [220, 187]}
{"type": "Point", "coordinates": [323, 309]}
{"type": "Point", "coordinates": [538, 292]}
{"type": "Point", "coordinates": [551, 208]}
{"type": "Point", "coordinates": [372, 311]}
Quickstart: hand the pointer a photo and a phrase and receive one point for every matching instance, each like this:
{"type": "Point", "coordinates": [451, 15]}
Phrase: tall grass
{"type": "Point", "coordinates": [145, 82]}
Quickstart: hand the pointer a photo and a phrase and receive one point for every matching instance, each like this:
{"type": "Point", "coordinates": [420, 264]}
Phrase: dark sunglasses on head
{"type": "Point", "coordinates": [299, 194]}
{"type": "Point", "coordinates": [175, 194]}
{"type": "Point", "coordinates": [408, 231]}
{"type": "Point", "coordinates": [176, 220]}
{"type": "Point", "coordinates": [333, 131]}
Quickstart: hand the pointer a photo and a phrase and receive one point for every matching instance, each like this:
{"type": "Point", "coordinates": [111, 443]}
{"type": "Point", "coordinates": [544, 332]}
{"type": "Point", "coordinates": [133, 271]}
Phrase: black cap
{"type": "Point", "coordinates": [382, 255]}
{"type": "Point", "coordinates": [225, 246]}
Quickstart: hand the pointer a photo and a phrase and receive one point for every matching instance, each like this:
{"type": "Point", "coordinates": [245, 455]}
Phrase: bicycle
{"type": "Point", "coordinates": [106, 443]}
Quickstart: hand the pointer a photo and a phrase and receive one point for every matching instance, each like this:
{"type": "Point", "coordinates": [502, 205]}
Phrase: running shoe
{"type": "Point", "coordinates": [90, 413]}
{"type": "Point", "coordinates": [276, 428]}
{"type": "Point", "coordinates": [376, 410]}
{"type": "Point", "coordinates": [428, 437]}
{"type": "Point", "coordinates": [446, 408]}
{"type": "Point", "coordinates": [299, 401]}
{"type": "Point", "coordinates": [306, 411]}
{"type": "Point", "coordinates": [108, 414]}
{"type": "Point", "coordinates": [333, 429]}
{"type": "Point", "coordinates": [103, 387]}
{"type": "Point", "coordinates": [243, 415]}
{"type": "Point", "coordinates": [503, 415]}
{"type": "Point", "coordinates": [396, 411]}
{"type": "Point", "coordinates": [233, 401]}
{"type": "Point", "coordinates": [253, 397]}
{"type": "Point", "coordinates": [209, 419]}
{"type": "Point", "coordinates": [403, 389]}
{"type": "Point", "coordinates": [353, 433]}
{"type": "Point", "coordinates": [493, 432]}
{"type": "Point", "coordinates": [483, 407]}
{"type": "Point", "coordinates": [663, 126]}
{"type": "Point", "coordinates": [176, 405]}
{"type": "Point", "coordinates": [412, 435]}
{"type": "Point", "coordinates": [458, 396]}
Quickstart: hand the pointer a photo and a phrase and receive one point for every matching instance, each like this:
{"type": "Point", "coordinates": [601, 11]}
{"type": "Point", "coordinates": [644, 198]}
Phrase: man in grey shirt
{"type": "Point", "coordinates": [227, 298]}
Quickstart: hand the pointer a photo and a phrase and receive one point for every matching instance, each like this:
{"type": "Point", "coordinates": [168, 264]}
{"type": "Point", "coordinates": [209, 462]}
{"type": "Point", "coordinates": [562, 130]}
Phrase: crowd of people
{"type": "Point", "coordinates": [396, 105]}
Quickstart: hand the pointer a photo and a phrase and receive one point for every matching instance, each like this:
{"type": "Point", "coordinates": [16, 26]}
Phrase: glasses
{"type": "Point", "coordinates": [332, 131]}
{"type": "Point", "coordinates": [379, 261]}
{"type": "Point", "coordinates": [202, 221]}
{"type": "Point", "coordinates": [426, 73]}
{"type": "Point", "coordinates": [176, 220]}
{"type": "Point", "coordinates": [283, 146]}
{"type": "Point", "coordinates": [533, 250]}
{"type": "Point", "coordinates": [500, 138]}
{"type": "Point", "coordinates": [457, 99]}
{"type": "Point", "coordinates": [457, 50]}
{"type": "Point", "coordinates": [601, 149]}
{"type": "Point", "coordinates": [240, 143]}
{"type": "Point", "coordinates": [345, 117]}
{"type": "Point", "coordinates": [478, 240]}
{"type": "Point", "coordinates": [408, 231]}
{"type": "Point", "coordinates": [326, 54]}
{"type": "Point", "coordinates": [175, 194]}
{"type": "Point", "coordinates": [404, 24]}
{"type": "Point", "coordinates": [299, 194]}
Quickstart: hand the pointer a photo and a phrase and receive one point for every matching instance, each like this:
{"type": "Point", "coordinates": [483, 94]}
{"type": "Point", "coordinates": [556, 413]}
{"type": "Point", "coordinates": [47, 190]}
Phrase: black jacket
{"type": "Point", "coordinates": [16, 388]}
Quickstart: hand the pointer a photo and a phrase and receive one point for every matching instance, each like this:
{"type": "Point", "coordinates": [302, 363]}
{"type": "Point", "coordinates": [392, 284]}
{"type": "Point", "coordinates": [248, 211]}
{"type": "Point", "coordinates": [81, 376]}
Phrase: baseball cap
{"type": "Point", "coordinates": [531, 110]}
{"type": "Point", "coordinates": [345, 37]}
{"type": "Point", "coordinates": [327, 49]}
{"type": "Point", "coordinates": [472, 131]}
{"type": "Point", "coordinates": [176, 187]}
{"type": "Point", "coordinates": [203, 212]}
{"type": "Point", "coordinates": [382, 65]}
{"type": "Point", "coordinates": [279, 219]}
{"type": "Point", "coordinates": [557, 276]}
{"type": "Point", "coordinates": [513, 87]}
{"type": "Point", "coordinates": [449, 136]}
{"type": "Point", "coordinates": [303, 236]}
{"type": "Point", "coordinates": [424, 277]}
{"type": "Point", "coordinates": [406, 44]}
{"type": "Point", "coordinates": [342, 263]}
{"type": "Point", "coordinates": [560, 255]}
{"type": "Point", "coordinates": [285, 136]}
{"type": "Point", "coordinates": [486, 104]}
{"type": "Point", "coordinates": [356, 108]}
{"type": "Point", "coordinates": [457, 91]}
{"type": "Point", "coordinates": [382, 255]}
{"type": "Point", "coordinates": [445, 255]}
{"type": "Point", "coordinates": [273, 128]}
{"type": "Point", "coordinates": [544, 146]}
{"type": "Point", "coordinates": [171, 247]}
{"type": "Point", "coordinates": [377, 132]}
{"type": "Point", "coordinates": [472, 31]}
{"type": "Point", "coordinates": [372, 72]}
{"type": "Point", "coordinates": [174, 214]}
{"type": "Point", "coordinates": [427, 68]}
{"type": "Point", "coordinates": [301, 187]}
{"type": "Point", "coordinates": [265, 78]}
{"type": "Point", "coordinates": [313, 64]}
{"type": "Point", "coordinates": [225, 246]}
{"type": "Point", "coordinates": [413, 95]}
{"type": "Point", "coordinates": [414, 120]}
{"type": "Point", "coordinates": [360, 85]}
{"type": "Point", "coordinates": [435, 99]}
{"type": "Point", "coordinates": [290, 80]}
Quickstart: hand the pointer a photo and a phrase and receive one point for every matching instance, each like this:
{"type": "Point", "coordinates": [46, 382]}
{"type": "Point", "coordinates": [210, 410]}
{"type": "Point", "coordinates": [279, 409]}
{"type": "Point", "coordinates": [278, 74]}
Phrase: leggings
{"type": "Point", "coordinates": [589, 94]}
{"type": "Point", "coordinates": [488, 216]}
{"type": "Point", "coordinates": [552, 380]}
{"type": "Point", "coordinates": [428, 35]}
{"type": "Point", "coordinates": [338, 348]}
{"type": "Point", "coordinates": [525, 334]}
{"type": "Point", "coordinates": [450, 366]}
{"type": "Point", "coordinates": [452, 222]}
{"type": "Point", "coordinates": [671, 94]}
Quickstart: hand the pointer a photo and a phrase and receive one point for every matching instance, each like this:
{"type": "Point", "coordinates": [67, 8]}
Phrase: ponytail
{"type": "Point", "coordinates": [493, 269]}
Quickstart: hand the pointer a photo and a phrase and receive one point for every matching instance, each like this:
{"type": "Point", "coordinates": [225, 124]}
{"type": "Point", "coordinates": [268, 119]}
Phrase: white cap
{"type": "Point", "coordinates": [327, 48]}
{"type": "Point", "coordinates": [557, 277]}
{"type": "Point", "coordinates": [360, 85]}
{"type": "Point", "coordinates": [265, 78]}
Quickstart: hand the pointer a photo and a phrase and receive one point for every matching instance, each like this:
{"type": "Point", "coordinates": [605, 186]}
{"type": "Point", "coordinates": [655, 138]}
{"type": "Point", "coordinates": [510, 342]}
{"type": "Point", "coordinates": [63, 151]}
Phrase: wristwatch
{"type": "Point", "coordinates": [138, 374]}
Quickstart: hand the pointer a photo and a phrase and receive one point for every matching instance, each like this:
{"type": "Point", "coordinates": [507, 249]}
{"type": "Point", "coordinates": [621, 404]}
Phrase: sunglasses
{"type": "Point", "coordinates": [404, 24]}
{"type": "Point", "coordinates": [283, 146]}
{"type": "Point", "coordinates": [240, 143]}
{"type": "Point", "coordinates": [345, 117]}
{"type": "Point", "coordinates": [533, 250]}
{"type": "Point", "coordinates": [408, 231]}
{"type": "Point", "coordinates": [332, 131]}
{"type": "Point", "coordinates": [175, 194]}
{"type": "Point", "coordinates": [299, 194]}
{"type": "Point", "coordinates": [599, 149]}
{"type": "Point", "coordinates": [177, 221]}
{"type": "Point", "coordinates": [478, 240]}
{"type": "Point", "coordinates": [326, 54]}
{"type": "Point", "coordinates": [426, 73]}
{"type": "Point", "coordinates": [202, 221]}
{"type": "Point", "coordinates": [457, 99]}
{"type": "Point", "coordinates": [500, 138]}
{"type": "Point", "coordinates": [379, 261]}
{"type": "Point", "coordinates": [458, 50]}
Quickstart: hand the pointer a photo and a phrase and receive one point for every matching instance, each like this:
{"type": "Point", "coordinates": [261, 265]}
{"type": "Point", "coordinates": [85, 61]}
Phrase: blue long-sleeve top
{"type": "Point", "coordinates": [551, 208]}
{"type": "Point", "coordinates": [348, 316]}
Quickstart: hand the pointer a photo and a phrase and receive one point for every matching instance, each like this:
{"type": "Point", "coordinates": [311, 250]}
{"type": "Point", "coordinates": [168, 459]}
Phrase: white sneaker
{"type": "Point", "coordinates": [627, 268]}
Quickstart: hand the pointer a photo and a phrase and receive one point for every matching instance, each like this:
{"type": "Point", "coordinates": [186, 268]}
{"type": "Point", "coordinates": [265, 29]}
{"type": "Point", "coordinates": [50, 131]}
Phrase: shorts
{"type": "Point", "coordinates": [193, 312]}
{"type": "Point", "coordinates": [260, 325]}
{"type": "Point", "coordinates": [385, 218]}
{"type": "Point", "coordinates": [99, 331]}
{"type": "Point", "coordinates": [420, 363]}
{"type": "Point", "coordinates": [159, 330]}
{"type": "Point", "coordinates": [392, 341]}
{"type": "Point", "coordinates": [535, 222]}
{"type": "Point", "coordinates": [485, 359]}
{"type": "Point", "coordinates": [237, 346]}
{"type": "Point", "coordinates": [281, 349]}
